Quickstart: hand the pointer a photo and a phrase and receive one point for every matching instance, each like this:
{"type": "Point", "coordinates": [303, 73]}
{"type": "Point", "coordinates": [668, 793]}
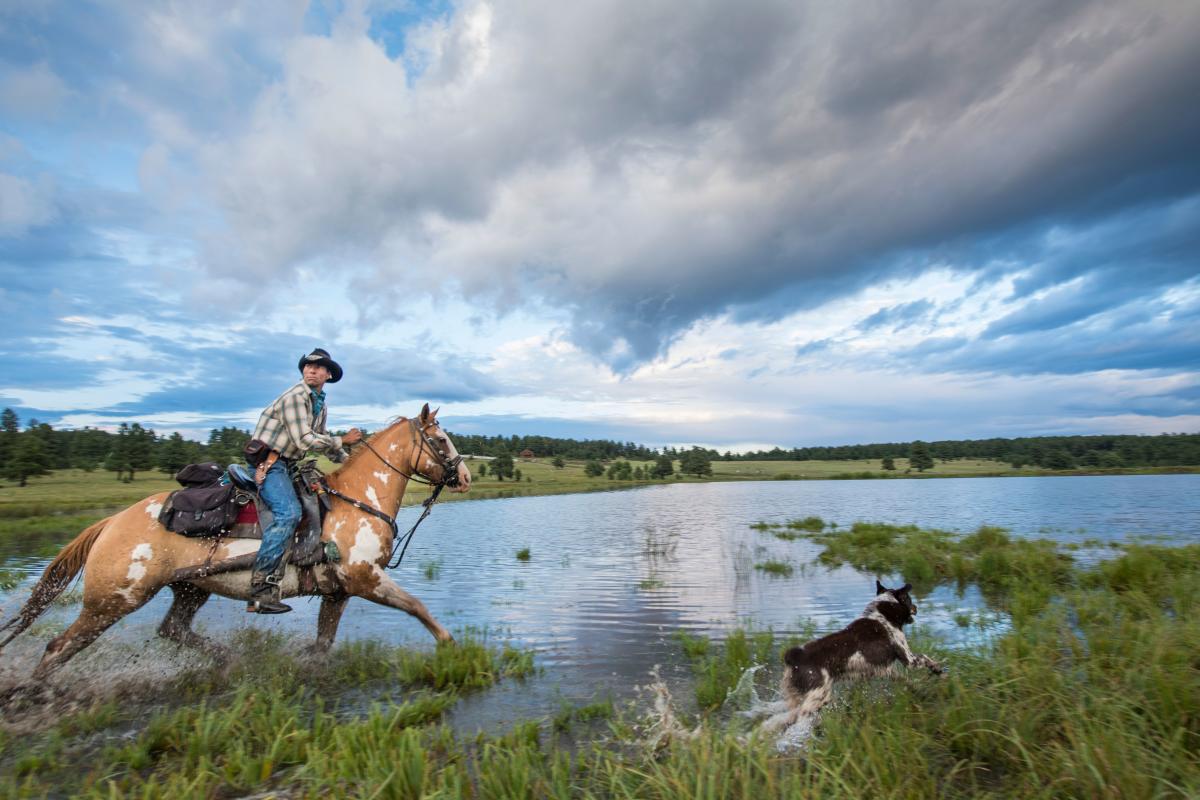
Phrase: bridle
{"type": "Point", "coordinates": [422, 442]}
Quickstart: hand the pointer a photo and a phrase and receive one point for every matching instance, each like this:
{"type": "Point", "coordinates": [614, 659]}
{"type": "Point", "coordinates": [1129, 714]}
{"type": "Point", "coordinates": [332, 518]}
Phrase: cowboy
{"type": "Point", "coordinates": [291, 426]}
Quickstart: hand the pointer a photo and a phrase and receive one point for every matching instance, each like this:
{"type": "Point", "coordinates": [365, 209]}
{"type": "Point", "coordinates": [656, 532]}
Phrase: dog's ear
{"type": "Point", "coordinates": [879, 587]}
{"type": "Point", "coordinates": [905, 587]}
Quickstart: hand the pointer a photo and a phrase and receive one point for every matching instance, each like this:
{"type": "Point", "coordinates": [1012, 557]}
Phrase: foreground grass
{"type": "Point", "coordinates": [1095, 693]}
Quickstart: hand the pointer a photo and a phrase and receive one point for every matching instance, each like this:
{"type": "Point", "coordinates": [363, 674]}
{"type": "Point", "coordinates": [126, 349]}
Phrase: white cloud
{"type": "Point", "coordinates": [25, 204]}
{"type": "Point", "coordinates": [35, 92]}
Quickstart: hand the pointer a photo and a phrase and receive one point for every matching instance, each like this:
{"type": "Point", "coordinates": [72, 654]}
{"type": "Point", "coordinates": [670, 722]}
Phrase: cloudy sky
{"type": "Point", "coordinates": [732, 224]}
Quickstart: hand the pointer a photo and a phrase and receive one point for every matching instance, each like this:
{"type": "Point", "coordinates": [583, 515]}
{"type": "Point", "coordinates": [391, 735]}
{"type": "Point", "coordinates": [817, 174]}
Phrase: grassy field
{"type": "Point", "coordinates": [68, 500]}
{"type": "Point", "coordinates": [1091, 689]}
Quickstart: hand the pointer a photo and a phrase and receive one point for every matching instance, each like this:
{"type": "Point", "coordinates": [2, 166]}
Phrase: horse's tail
{"type": "Point", "coordinates": [56, 577]}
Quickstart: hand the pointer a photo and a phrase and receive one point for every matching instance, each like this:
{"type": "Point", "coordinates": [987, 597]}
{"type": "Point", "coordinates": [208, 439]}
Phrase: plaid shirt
{"type": "Point", "coordinates": [289, 427]}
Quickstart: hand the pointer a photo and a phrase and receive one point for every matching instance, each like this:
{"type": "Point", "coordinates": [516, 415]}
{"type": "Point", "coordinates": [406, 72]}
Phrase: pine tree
{"type": "Point", "coordinates": [663, 467]}
{"type": "Point", "coordinates": [695, 462]}
{"type": "Point", "coordinates": [9, 429]}
{"type": "Point", "coordinates": [919, 457]}
{"type": "Point", "coordinates": [502, 466]}
{"type": "Point", "coordinates": [593, 469]}
{"type": "Point", "coordinates": [174, 454]}
{"type": "Point", "coordinates": [140, 453]}
{"type": "Point", "coordinates": [29, 458]}
{"type": "Point", "coordinates": [888, 463]}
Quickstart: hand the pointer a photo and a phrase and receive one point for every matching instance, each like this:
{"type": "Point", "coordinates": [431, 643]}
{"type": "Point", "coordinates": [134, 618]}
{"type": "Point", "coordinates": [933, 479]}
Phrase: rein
{"type": "Point", "coordinates": [449, 478]}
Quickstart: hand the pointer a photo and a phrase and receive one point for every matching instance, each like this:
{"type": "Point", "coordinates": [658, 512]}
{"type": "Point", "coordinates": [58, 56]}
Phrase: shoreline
{"type": "Point", "coordinates": [93, 495]}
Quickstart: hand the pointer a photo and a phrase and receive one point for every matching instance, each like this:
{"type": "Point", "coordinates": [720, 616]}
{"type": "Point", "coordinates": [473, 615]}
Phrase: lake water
{"type": "Point", "coordinates": [613, 575]}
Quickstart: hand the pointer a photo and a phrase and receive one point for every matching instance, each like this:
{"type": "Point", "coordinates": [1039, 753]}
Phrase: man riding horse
{"type": "Point", "coordinates": [289, 428]}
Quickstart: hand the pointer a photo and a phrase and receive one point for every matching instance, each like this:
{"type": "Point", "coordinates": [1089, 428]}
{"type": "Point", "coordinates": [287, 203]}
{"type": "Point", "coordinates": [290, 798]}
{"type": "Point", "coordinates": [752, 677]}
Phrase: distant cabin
{"type": "Point", "coordinates": [526, 454]}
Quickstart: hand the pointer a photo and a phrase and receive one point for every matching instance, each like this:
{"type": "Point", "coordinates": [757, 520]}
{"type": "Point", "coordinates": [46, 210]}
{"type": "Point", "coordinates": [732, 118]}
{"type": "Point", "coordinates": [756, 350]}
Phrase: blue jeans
{"type": "Point", "coordinates": [279, 495]}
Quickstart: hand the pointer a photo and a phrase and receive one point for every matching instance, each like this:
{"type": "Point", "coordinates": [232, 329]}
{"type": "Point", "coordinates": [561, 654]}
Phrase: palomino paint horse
{"type": "Point", "coordinates": [129, 557]}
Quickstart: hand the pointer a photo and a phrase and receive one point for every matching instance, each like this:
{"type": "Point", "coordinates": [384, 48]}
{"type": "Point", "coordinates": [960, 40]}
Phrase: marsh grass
{"type": "Point", "coordinates": [523, 554]}
{"type": "Point", "coordinates": [1093, 692]}
{"type": "Point", "coordinates": [989, 557]}
{"type": "Point", "coordinates": [568, 714]}
{"type": "Point", "coordinates": [718, 666]}
{"type": "Point", "coordinates": [431, 569]}
{"type": "Point", "coordinates": [779, 569]}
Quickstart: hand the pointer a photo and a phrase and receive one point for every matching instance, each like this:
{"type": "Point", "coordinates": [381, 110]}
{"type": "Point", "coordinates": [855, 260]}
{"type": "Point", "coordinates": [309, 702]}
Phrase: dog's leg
{"type": "Point", "coordinates": [816, 699]}
{"type": "Point", "coordinates": [919, 660]}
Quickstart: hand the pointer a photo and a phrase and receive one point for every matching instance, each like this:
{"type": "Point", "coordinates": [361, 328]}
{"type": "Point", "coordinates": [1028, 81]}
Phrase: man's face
{"type": "Point", "coordinates": [315, 375]}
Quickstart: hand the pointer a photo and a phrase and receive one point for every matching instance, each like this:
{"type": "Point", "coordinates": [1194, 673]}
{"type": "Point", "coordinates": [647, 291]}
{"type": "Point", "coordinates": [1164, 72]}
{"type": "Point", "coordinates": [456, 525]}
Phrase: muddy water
{"type": "Point", "coordinates": [612, 576]}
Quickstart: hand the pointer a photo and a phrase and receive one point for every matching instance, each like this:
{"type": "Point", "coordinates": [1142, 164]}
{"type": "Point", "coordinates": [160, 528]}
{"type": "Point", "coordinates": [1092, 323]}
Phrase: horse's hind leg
{"type": "Point", "coordinates": [92, 621]}
{"type": "Point", "coordinates": [177, 625]}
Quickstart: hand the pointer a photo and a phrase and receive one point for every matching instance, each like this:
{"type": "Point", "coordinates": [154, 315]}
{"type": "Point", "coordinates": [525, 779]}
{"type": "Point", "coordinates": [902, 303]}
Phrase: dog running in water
{"type": "Point", "coordinates": [871, 645]}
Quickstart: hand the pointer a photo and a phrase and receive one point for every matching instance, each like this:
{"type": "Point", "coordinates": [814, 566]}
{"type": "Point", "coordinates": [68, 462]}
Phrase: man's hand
{"type": "Point", "coordinates": [353, 436]}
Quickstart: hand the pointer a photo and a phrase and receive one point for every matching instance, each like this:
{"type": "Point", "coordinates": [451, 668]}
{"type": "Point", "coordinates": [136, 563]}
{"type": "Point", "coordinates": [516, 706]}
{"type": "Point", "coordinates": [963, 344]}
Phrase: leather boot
{"type": "Point", "coordinates": [265, 595]}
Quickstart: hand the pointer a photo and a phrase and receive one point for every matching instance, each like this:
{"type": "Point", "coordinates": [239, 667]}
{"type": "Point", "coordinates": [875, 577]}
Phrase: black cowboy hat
{"type": "Point", "coordinates": [319, 356]}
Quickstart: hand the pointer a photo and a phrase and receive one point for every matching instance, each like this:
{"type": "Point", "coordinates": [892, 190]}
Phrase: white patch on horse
{"type": "Point", "coordinates": [393, 448]}
{"type": "Point", "coordinates": [137, 569]}
{"type": "Point", "coordinates": [237, 584]}
{"type": "Point", "coordinates": [367, 547]}
{"type": "Point", "coordinates": [372, 497]}
{"type": "Point", "coordinates": [382, 477]}
{"type": "Point", "coordinates": [153, 509]}
{"type": "Point", "coordinates": [240, 547]}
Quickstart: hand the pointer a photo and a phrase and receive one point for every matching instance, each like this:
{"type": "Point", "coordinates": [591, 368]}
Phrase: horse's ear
{"type": "Point", "coordinates": [433, 414]}
{"type": "Point", "coordinates": [425, 414]}
{"type": "Point", "coordinates": [879, 588]}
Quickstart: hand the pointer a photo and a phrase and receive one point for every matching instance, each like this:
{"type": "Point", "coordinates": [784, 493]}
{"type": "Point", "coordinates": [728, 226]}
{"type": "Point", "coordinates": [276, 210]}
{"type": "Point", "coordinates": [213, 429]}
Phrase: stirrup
{"type": "Point", "coordinates": [267, 606]}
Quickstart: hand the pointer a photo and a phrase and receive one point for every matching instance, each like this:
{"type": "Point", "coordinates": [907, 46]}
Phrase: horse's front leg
{"type": "Point", "coordinates": [370, 582]}
{"type": "Point", "coordinates": [328, 617]}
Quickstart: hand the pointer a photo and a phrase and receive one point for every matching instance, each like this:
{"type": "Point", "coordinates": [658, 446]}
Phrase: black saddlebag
{"type": "Point", "coordinates": [201, 511]}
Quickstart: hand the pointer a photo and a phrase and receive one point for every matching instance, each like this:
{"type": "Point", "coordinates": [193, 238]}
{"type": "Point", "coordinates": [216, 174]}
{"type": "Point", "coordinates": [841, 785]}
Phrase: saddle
{"type": "Point", "coordinates": [224, 503]}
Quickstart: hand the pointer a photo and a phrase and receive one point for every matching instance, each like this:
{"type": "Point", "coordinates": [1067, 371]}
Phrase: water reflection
{"type": "Point", "coordinates": [612, 576]}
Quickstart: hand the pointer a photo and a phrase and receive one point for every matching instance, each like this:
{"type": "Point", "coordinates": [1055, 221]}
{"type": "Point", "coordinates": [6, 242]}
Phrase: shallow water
{"type": "Point", "coordinates": [613, 575]}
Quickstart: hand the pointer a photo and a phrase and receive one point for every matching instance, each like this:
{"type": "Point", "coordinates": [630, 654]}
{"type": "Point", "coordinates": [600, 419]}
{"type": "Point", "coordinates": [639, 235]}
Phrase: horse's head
{"type": "Point", "coordinates": [435, 457]}
{"type": "Point", "coordinates": [900, 596]}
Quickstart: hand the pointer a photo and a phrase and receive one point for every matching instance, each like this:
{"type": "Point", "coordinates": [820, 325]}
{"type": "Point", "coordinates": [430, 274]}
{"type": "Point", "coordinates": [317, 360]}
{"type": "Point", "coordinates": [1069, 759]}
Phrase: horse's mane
{"type": "Point", "coordinates": [358, 451]}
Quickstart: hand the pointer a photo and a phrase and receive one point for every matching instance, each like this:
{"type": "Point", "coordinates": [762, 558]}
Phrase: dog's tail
{"type": "Point", "coordinates": [56, 577]}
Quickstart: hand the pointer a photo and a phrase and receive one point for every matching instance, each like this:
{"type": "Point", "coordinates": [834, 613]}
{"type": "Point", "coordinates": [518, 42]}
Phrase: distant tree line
{"type": "Point", "coordinates": [39, 448]}
{"type": "Point", "coordinates": [1049, 452]}
{"type": "Point", "coordinates": [549, 447]}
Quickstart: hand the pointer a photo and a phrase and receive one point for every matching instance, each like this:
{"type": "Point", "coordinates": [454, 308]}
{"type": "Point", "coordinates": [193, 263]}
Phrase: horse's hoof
{"type": "Point", "coordinates": [25, 695]}
{"type": "Point", "coordinates": [317, 651]}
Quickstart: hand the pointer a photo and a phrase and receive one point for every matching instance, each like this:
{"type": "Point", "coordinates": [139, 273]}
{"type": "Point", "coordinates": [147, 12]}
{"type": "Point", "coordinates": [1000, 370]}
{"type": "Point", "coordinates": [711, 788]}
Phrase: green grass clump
{"type": "Point", "coordinates": [780, 569]}
{"type": "Point", "coordinates": [807, 524]}
{"type": "Point", "coordinates": [989, 557]}
{"type": "Point", "coordinates": [568, 714]}
{"type": "Point", "coordinates": [523, 554]}
{"type": "Point", "coordinates": [719, 672]}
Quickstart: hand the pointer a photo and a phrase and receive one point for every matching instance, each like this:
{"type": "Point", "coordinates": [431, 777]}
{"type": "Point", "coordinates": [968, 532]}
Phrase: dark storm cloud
{"type": "Point", "coordinates": [758, 161]}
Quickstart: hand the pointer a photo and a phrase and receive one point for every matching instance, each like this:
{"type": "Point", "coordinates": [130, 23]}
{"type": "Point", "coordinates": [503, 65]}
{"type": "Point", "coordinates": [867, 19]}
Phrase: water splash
{"type": "Point", "coordinates": [745, 701]}
{"type": "Point", "coordinates": [663, 726]}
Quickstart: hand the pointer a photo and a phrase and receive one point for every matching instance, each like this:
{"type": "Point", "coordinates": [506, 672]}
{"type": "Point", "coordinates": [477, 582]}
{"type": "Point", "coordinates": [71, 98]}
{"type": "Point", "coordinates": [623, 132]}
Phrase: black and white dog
{"type": "Point", "coordinates": [871, 645]}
